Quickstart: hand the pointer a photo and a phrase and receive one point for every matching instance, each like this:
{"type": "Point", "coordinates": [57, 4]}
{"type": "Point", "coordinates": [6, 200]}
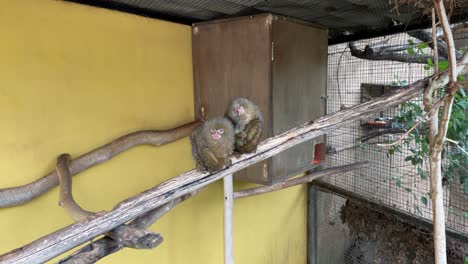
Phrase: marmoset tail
{"type": "Point", "coordinates": [213, 144]}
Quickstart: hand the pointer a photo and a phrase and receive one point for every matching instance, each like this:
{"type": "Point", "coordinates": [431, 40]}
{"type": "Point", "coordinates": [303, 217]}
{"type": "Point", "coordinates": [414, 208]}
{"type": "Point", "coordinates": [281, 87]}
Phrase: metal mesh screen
{"type": "Point", "coordinates": [343, 18]}
{"type": "Point", "coordinates": [351, 232]}
{"type": "Point", "coordinates": [391, 180]}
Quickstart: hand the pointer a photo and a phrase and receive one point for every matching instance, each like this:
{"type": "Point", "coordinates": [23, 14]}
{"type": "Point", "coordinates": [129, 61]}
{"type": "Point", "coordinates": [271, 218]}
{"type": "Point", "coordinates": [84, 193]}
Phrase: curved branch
{"type": "Point", "coordinates": [66, 195]}
{"type": "Point", "coordinates": [25, 193]}
{"type": "Point", "coordinates": [124, 235]}
{"type": "Point", "coordinates": [105, 246]}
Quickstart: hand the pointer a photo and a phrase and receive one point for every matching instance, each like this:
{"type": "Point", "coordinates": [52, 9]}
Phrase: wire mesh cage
{"type": "Point", "coordinates": [398, 175]}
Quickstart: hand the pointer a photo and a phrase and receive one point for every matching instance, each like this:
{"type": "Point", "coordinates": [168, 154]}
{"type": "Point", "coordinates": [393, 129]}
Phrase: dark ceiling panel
{"type": "Point", "coordinates": [346, 19]}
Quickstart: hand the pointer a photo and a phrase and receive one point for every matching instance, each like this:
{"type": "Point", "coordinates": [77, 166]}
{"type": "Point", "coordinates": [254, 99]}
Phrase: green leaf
{"type": "Point", "coordinates": [465, 260]}
{"type": "Point", "coordinates": [411, 51]}
{"type": "Point", "coordinates": [465, 214]}
{"type": "Point", "coordinates": [424, 200]}
{"type": "Point", "coordinates": [410, 41]}
{"type": "Point", "coordinates": [391, 151]}
{"type": "Point", "coordinates": [443, 65]}
{"type": "Point", "coordinates": [422, 173]}
{"type": "Point", "coordinates": [422, 45]}
{"type": "Point", "coordinates": [462, 92]}
{"type": "Point", "coordinates": [461, 78]}
{"type": "Point", "coordinates": [398, 182]}
{"type": "Point", "coordinates": [427, 67]}
{"type": "Point", "coordinates": [430, 62]}
{"type": "Point", "coordinates": [408, 189]}
{"type": "Point", "coordinates": [417, 209]}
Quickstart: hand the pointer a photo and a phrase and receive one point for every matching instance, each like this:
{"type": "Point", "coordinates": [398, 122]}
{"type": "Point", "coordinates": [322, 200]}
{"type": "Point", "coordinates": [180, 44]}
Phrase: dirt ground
{"type": "Point", "coordinates": [383, 239]}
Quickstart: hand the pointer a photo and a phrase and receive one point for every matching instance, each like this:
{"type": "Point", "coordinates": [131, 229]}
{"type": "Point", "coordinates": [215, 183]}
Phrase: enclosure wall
{"type": "Point", "coordinates": [74, 77]}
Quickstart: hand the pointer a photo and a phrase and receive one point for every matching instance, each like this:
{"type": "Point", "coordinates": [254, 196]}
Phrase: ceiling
{"type": "Point", "coordinates": [346, 19]}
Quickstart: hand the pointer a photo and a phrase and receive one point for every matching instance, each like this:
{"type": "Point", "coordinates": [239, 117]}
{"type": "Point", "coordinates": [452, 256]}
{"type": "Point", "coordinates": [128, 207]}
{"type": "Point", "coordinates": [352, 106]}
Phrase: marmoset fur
{"type": "Point", "coordinates": [248, 124]}
{"type": "Point", "coordinates": [213, 144]}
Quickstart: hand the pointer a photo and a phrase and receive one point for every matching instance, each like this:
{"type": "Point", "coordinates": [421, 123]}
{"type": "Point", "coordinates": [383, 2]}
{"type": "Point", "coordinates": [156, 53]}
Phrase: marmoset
{"type": "Point", "coordinates": [213, 144]}
{"type": "Point", "coordinates": [248, 124]}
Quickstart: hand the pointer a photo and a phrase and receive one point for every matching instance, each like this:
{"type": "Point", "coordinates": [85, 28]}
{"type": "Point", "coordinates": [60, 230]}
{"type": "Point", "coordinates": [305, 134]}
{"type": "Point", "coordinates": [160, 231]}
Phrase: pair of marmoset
{"type": "Point", "coordinates": [217, 139]}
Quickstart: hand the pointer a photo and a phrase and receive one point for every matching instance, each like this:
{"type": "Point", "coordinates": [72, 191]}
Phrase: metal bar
{"type": "Point", "coordinates": [228, 220]}
{"type": "Point", "coordinates": [311, 224]}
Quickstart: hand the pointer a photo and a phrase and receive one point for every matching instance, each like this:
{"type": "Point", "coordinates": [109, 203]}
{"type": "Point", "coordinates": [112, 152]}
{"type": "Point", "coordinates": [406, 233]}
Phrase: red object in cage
{"type": "Point", "coordinates": [319, 154]}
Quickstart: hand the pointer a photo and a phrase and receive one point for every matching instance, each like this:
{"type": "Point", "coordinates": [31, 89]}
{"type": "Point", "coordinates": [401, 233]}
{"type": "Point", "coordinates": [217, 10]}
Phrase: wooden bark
{"type": "Point", "coordinates": [105, 246]}
{"type": "Point", "coordinates": [25, 193]}
{"type": "Point", "coordinates": [369, 54]}
{"type": "Point", "coordinates": [127, 236]}
{"type": "Point", "coordinates": [435, 160]}
{"type": "Point", "coordinates": [66, 199]}
{"type": "Point", "coordinates": [310, 176]}
{"type": "Point", "coordinates": [62, 240]}
{"type": "Point", "coordinates": [425, 36]}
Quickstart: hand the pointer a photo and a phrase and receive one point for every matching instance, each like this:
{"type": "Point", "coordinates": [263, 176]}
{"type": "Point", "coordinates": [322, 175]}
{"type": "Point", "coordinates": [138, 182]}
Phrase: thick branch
{"type": "Point", "coordinates": [105, 246]}
{"type": "Point", "coordinates": [435, 163]}
{"type": "Point", "coordinates": [60, 241]}
{"type": "Point", "coordinates": [66, 194]}
{"type": "Point", "coordinates": [125, 235]}
{"type": "Point", "coordinates": [425, 36]}
{"type": "Point", "coordinates": [369, 54]}
{"type": "Point", "coordinates": [22, 194]}
{"type": "Point", "coordinates": [310, 176]}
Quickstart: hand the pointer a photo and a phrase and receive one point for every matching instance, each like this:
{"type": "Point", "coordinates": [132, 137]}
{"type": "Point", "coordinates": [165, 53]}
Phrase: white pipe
{"type": "Point", "coordinates": [228, 220]}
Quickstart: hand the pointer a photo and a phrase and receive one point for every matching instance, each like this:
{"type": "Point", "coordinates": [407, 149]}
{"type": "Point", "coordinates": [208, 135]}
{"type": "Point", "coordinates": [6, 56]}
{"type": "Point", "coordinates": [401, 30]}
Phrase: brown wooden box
{"type": "Point", "coordinates": [279, 63]}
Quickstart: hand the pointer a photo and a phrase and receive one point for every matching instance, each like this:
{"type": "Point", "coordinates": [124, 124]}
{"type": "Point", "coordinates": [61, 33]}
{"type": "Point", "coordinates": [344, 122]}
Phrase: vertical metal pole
{"type": "Point", "coordinates": [228, 220]}
{"type": "Point", "coordinates": [311, 224]}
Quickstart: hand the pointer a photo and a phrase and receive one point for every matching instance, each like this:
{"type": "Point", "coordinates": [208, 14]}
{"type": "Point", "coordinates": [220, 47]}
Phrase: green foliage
{"type": "Point", "coordinates": [418, 145]}
{"type": "Point", "coordinates": [414, 49]}
{"type": "Point", "coordinates": [417, 140]}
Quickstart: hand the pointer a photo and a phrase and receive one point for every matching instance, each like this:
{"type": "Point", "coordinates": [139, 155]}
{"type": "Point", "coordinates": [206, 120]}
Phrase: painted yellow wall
{"type": "Point", "coordinates": [74, 77]}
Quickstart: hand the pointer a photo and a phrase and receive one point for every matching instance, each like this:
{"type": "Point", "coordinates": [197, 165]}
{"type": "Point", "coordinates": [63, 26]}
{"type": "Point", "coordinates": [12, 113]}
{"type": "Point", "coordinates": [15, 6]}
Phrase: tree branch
{"type": "Point", "coordinates": [457, 145]}
{"type": "Point", "coordinates": [426, 116]}
{"type": "Point", "coordinates": [105, 246]}
{"type": "Point", "coordinates": [425, 36]}
{"type": "Point", "coordinates": [127, 236]}
{"type": "Point", "coordinates": [22, 194]}
{"type": "Point", "coordinates": [369, 54]}
{"type": "Point", "coordinates": [380, 133]}
{"type": "Point", "coordinates": [66, 195]}
{"type": "Point", "coordinates": [310, 176]}
{"type": "Point", "coordinates": [435, 161]}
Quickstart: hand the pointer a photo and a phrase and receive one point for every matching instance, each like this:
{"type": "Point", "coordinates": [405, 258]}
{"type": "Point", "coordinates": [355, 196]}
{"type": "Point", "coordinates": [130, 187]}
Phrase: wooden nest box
{"type": "Point", "coordinates": [278, 63]}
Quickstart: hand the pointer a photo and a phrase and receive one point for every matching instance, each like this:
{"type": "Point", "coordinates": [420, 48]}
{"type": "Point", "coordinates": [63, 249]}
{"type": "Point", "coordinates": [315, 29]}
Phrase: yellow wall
{"type": "Point", "coordinates": [72, 78]}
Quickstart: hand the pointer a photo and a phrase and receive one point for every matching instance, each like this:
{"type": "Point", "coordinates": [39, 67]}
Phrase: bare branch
{"type": "Point", "coordinates": [435, 161]}
{"type": "Point", "coordinates": [380, 133]}
{"type": "Point", "coordinates": [105, 246]}
{"type": "Point", "coordinates": [310, 176]}
{"type": "Point", "coordinates": [66, 194]}
{"type": "Point", "coordinates": [427, 37]}
{"type": "Point", "coordinates": [124, 235]}
{"type": "Point", "coordinates": [22, 194]}
{"type": "Point", "coordinates": [369, 54]}
{"type": "Point", "coordinates": [425, 117]}
{"type": "Point", "coordinates": [457, 145]}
